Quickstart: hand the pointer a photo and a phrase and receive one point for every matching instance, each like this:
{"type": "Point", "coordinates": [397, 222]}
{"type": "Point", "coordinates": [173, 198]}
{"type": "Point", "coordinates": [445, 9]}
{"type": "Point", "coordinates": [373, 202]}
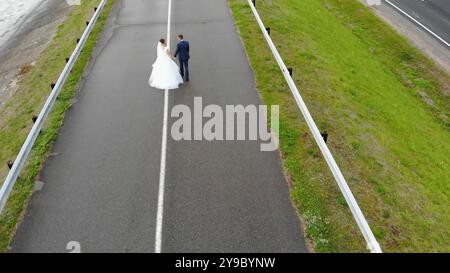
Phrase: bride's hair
{"type": "Point", "coordinates": [162, 41]}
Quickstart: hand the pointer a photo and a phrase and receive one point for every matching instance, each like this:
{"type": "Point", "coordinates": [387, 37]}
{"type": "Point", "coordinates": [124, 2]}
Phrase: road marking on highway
{"type": "Point", "coordinates": [162, 170]}
{"type": "Point", "coordinates": [419, 23]}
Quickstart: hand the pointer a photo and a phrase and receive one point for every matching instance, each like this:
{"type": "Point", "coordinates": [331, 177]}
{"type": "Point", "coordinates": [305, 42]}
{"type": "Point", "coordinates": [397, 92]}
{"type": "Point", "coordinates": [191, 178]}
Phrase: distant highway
{"type": "Point", "coordinates": [433, 14]}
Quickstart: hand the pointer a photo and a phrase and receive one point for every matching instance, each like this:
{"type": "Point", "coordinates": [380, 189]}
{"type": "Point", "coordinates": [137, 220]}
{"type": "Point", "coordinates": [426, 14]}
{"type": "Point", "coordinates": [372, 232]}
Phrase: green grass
{"type": "Point", "coordinates": [15, 117]}
{"type": "Point", "coordinates": [386, 107]}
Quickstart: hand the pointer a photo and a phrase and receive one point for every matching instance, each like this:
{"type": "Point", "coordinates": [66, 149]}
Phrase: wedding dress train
{"type": "Point", "coordinates": [165, 73]}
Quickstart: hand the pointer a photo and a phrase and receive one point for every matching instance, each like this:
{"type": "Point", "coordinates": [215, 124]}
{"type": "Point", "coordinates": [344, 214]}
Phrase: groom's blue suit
{"type": "Point", "coordinates": [183, 56]}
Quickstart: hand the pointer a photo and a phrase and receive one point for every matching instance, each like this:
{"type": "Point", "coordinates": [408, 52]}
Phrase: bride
{"type": "Point", "coordinates": [165, 74]}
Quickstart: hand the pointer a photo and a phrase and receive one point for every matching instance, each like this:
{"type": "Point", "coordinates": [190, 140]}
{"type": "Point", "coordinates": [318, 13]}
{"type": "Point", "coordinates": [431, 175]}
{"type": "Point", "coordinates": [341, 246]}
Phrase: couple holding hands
{"type": "Point", "coordinates": [166, 74]}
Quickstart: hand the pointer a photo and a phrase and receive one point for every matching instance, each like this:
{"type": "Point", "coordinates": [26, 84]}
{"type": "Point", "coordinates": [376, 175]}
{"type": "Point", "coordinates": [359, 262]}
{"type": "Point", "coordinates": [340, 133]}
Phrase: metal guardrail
{"type": "Point", "coordinates": [11, 179]}
{"type": "Point", "coordinates": [372, 243]}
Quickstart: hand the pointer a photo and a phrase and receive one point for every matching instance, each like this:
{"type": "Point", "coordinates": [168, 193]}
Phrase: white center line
{"type": "Point", "coordinates": [162, 170]}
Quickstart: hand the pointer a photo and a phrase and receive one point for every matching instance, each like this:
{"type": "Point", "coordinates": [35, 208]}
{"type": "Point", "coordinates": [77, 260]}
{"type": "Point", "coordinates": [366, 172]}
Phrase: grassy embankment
{"type": "Point", "coordinates": [15, 117]}
{"type": "Point", "coordinates": [386, 108]}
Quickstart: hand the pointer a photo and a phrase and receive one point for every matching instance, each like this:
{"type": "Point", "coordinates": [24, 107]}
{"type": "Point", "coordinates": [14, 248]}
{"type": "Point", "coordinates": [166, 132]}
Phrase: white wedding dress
{"type": "Point", "coordinates": [165, 73]}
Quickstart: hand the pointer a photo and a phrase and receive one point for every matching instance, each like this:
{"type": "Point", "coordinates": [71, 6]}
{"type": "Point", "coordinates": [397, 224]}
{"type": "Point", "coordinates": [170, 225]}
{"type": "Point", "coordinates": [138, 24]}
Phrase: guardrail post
{"type": "Point", "coordinates": [325, 136]}
{"type": "Point", "coordinates": [34, 118]}
{"type": "Point", "coordinates": [67, 60]}
{"type": "Point", "coordinates": [290, 71]}
{"type": "Point", "coordinates": [10, 164]}
{"type": "Point", "coordinates": [52, 85]}
{"type": "Point", "coordinates": [268, 30]}
{"type": "Point", "coordinates": [254, 3]}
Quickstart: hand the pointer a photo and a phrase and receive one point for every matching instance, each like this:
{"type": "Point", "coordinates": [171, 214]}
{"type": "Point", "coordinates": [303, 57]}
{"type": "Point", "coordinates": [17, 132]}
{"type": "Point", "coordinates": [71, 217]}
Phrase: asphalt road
{"type": "Point", "coordinates": [101, 183]}
{"type": "Point", "coordinates": [434, 14]}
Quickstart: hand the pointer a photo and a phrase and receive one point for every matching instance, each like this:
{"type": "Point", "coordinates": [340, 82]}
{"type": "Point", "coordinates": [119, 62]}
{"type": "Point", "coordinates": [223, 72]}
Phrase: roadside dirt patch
{"type": "Point", "coordinates": [24, 70]}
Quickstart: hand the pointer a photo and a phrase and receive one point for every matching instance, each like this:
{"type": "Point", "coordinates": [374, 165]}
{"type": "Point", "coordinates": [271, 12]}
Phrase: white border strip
{"type": "Point", "coordinates": [372, 243]}
{"type": "Point", "coordinates": [417, 22]}
{"type": "Point", "coordinates": [162, 170]}
{"type": "Point", "coordinates": [11, 179]}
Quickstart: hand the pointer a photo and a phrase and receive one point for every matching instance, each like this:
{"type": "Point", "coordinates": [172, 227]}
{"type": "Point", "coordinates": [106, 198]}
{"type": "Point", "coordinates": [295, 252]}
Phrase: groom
{"type": "Point", "coordinates": [183, 56]}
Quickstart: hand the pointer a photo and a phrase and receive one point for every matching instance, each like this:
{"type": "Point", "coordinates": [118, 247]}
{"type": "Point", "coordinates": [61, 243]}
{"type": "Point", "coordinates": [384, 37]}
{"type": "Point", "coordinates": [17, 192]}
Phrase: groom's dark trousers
{"type": "Point", "coordinates": [184, 69]}
{"type": "Point", "coordinates": [183, 56]}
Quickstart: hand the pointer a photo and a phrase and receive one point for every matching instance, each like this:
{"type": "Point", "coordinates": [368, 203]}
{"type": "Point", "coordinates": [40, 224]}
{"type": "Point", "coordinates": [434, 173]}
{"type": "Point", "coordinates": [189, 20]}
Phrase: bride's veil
{"type": "Point", "coordinates": [165, 73]}
{"type": "Point", "coordinates": [160, 50]}
{"type": "Point", "coordinates": [161, 55]}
